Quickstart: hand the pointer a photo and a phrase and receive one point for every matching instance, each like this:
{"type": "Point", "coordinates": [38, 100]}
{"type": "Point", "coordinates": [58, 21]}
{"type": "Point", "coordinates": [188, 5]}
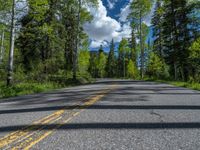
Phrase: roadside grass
{"type": "Point", "coordinates": [194, 86]}
{"type": "Point", "coordinates": [25, 88]}
{"type": "Point", "coordinates": [31, 87]}
{"type": "Point", "coordinates": [190, 85]}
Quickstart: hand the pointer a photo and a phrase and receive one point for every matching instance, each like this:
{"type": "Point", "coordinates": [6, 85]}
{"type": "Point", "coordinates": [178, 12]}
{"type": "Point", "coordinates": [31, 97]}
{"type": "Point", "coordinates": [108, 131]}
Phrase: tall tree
{"type": "Point", "coordinates": [111, 64]}
{"type": "Point", "coordinates": [84, 59]}
{"type": "Point", "coordinates": [80, 3]}
{"type": "Point", "coordinates": [133, 45]}
{"type": "Point", "coordinates": [157, 28]}
{"type": "Point", "coordinates": [73, 17]}
{"type": "Point", "coordinates": [176, 39]}
{"type": "Point", "coordinates": [124, 51]}
{"type": "Point", "coordinates": [2, 47]}
{"type": "Point", "coordinates": [101, 62]}
{"type": "Point", "coordinates": [139, 9]}
{"type": "Point", "coordinates": [12, 44]}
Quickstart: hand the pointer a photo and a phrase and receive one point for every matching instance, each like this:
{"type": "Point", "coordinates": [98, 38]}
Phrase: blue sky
{"type": "Point", "coordinates": [109, 23]}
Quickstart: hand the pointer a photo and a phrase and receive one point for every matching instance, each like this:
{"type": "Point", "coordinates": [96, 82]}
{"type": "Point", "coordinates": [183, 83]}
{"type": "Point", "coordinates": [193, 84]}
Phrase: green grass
{"type": "Point", "coordinates": [25, 88]}
{"type": "Point", "coordinates": [194, 86]}
{"type": "Point", "coordinates": [190, 85]}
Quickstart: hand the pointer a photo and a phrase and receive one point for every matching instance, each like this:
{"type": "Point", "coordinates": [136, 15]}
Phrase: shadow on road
{"type": "Point", "coordinates": [111, 107]}
{"type": "Point", "coordinates": [89, 126]}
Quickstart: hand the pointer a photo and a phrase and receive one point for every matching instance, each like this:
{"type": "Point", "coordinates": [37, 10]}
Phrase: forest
{"type": "Point", "coordinates": [43, 45]}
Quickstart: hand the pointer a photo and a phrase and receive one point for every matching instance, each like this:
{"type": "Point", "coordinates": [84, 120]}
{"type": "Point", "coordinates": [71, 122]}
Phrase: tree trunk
{"type": "Point", "coordinates": [141, 47]}
{"type": "Point", "coordinates": [124, 67]}
{"type": "Point", "coordinates": [2, 47]}
{"type": "Point", "coordinates": [160, 42]}
{"type": "Point", "coordinates": [12, 45]}
{"type": "Point", "coordinates": [75, 61]}
{"type": "Point", "coordinates": [175, 71]}
{"type": "Point", "coordinates": [174, 38]}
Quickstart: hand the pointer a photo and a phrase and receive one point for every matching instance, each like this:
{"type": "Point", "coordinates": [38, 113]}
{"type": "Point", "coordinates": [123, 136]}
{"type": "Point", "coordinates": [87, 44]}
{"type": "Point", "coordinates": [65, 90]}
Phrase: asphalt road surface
{"type": "Point", "coordinates": [110, 114]}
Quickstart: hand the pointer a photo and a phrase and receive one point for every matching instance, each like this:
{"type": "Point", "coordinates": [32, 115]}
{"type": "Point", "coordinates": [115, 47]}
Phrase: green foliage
{"type": "Point", "coordinates": [101, 64]}
{"type": "Point", "coordinates": [123, 58]}
{"type": "Point", "coordinates": [84, 57]}
{"type": "Point", "coordinates": [132, 71]}
{"type": "Point", "coordinates": [194, 57]}
{"type": "Point", "coordinates": [156, 67]}
{"type": "Point", "coordinates": [93, 67]}
{"type": "Point", "coordinates": [190, 85]}
{"type": "Point", "coordinates": [140, 8]}
{"type": "Point", "coordinates": [111, 62]}
{"type": "Point", "coordinates": [50, 34]}
{"type": "Point", "coordinates": [195, 49]}
{"type": "Point", "coordinates": [25, 88]}
{"type": "Point", "coordinates": [175, 27]}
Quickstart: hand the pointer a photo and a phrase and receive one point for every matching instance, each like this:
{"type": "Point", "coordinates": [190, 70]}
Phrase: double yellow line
{"type": "Point", "coordinates": [31, 135]}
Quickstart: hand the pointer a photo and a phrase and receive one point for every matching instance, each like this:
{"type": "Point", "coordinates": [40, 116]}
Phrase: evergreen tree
{"type": "Point", "coordinates": [157, 28]}
{"type": "Point", "coordinates": [133, 45]}
{"type": "Point", "coordinates": [111, 64]}
{"type": "Point", "coordinates": [176, 36]}
{"type": "Point", "coordinates": [93, 67]}
{"type": "Point", "coordinates": [101, 62]}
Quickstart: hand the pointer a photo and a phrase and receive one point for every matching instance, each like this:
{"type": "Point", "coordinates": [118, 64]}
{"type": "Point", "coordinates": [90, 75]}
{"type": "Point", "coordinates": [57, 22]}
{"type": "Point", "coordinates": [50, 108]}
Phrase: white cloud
{"type": "Point", "coordinates": [111, 3]}
{"type": "Point", "coordinates": [125, 12]}
{"type": "Point", "coordinates": [97, 44]}
{"type": "Point", "coordinates": [103, 28]}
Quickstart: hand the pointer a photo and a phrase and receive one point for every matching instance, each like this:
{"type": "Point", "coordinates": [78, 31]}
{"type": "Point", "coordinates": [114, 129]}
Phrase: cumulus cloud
{"type": "Point", "coordinates": [102, 29]}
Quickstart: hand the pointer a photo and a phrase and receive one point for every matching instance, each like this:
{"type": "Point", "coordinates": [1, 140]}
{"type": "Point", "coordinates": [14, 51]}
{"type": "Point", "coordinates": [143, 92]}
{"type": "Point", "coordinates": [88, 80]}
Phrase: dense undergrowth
{"type": "Point", "coordinates": [31, 87]}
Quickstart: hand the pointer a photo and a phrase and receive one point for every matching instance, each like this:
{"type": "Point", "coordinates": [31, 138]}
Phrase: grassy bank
{"type": "Point", "coordinates": [194, 86]}
{"type": "Point", "coordinates": [190, 85]}
{"type": "Point", "coordinates": [25, 88]}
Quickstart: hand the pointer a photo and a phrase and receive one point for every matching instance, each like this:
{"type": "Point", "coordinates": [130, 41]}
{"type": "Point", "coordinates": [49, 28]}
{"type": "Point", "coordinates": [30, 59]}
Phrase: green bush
{"type": "Point", "coordinates": [25, 88]}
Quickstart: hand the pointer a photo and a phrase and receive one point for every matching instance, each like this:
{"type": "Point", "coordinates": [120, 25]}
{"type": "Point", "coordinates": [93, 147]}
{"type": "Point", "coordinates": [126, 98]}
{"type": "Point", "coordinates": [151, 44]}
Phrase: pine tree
{"type": "Point", "coordinates": [176, 36]}
{"type": "Point", "coordinates": [101, 62]}
{"type": "Point", "coordinates": [157, 28]}
{"type": "Point", "coordinates": [133, 45]}
{"type": "Point", "coordinates": [111, 64]}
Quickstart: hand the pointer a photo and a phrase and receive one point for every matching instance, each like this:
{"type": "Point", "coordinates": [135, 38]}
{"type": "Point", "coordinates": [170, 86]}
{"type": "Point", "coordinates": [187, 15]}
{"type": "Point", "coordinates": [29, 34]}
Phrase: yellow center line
{"type": "Point", "coordinates": [27, 133]}
{"type": "Point", "coordinates": [16, 135]}
{"type": "Point", "coordinates": [85, 105]}
{"type": "Point", "coordinates": [10, 138]}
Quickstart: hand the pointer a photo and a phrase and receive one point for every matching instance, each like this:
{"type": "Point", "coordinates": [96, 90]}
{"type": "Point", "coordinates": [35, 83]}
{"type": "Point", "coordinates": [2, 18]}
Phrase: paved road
{"type": "Point", "coordinates": [110, 114]}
